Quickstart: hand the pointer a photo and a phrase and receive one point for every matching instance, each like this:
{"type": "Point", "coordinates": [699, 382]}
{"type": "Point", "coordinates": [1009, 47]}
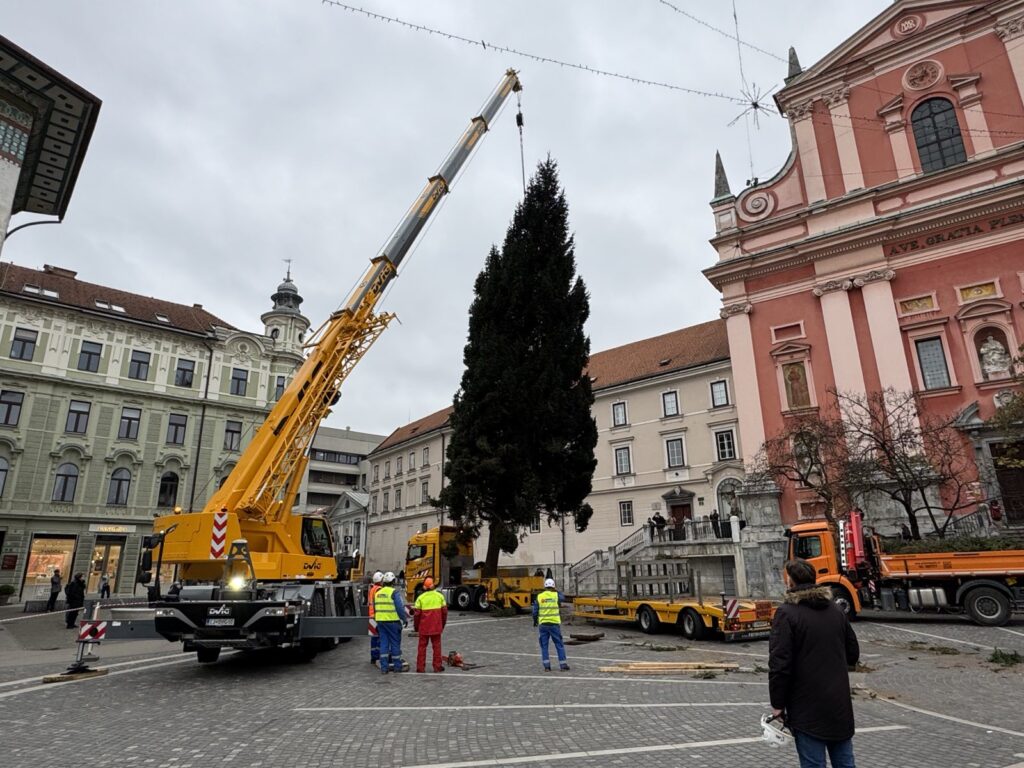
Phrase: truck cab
{"type": "Point", "coordinates": [439, 554]}
{"type": "Point", "coordinates": [817, 543]}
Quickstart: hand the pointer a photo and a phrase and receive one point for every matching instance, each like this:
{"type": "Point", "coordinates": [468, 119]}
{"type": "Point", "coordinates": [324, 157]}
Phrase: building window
{"type": "Point", "coordinates": [387, 469]}
{"type": "Point", "coordinates": [725, 445]}
{"type": "Point", "coordinates": [4, 468]}
{"type": "Point", "coordinates": [412, 461]}
{"type": "Point", "coordinates": [674, 452]}
{"type": "Point", "coordinates": [798, 393]}
{"type": "Point", "coordinates": [65, 483]}
{"type": "Point", "coordinates": [176, 423]}
{"type": "Point", "coordinates": [279, 388]}
{"type": "Point", "coordinates": [625, 513]}
{"type": "Point", "coordinates": [623, 461]}
{"type": "Point", "coordinates": [932, 359]}
{"type": "Point", "coordinates": [426, 457]}
{"type": "Point", "coordinates": [167, 496]}
{"type": "Point", "coordinates": [10, 407]}
{"type": "Point", "coordinates": [78, 417]}
{"type": "Point", "coordinates": [117, 494]}
{"type": "Point", "coordinates": [670, 403]}
{"type": "Point", "coordinates": [398, 465]}
{"type": "Point", "coordinates": [139, 366]}
{"type": "Point", "coordinates": [398, 498]}
{"type": "Point", "coordinates": [129, 427]}
{"type": "Point", "coordinates": [232, 435]}
{"type": "Point", "coordinates": [424, 492]}
{"type": "Point", "coordinates": [535, 523]}
{"type": "Point", "coordinates": [387, 498]}
{"type": "Point", "coordinates": [89, 356]}
{"type": "Point", "coordinates": [618, 414]}
{"type": "Point", "coordinates": [937, 135]}
{"type": "Point", "coordinates": [373, 504]}
{"type": "Point", "coordinates": [376, 472]}
{"type": "Point", "coordinates": [719, 394]}
{"type": "Point", "coordinates": [239, 380]}
{"type": "Point", "coordinates": [184, 372]}
{"type": "Point", "coordinates": [23, 346]}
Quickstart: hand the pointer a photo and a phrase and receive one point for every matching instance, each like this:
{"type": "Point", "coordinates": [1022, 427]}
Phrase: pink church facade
{"type": "Point", "coordinates": [889, 249]}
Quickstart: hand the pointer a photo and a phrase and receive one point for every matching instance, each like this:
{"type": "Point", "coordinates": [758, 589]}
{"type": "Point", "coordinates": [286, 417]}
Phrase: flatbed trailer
{"type": "Point", "coordinates": [658, 595]}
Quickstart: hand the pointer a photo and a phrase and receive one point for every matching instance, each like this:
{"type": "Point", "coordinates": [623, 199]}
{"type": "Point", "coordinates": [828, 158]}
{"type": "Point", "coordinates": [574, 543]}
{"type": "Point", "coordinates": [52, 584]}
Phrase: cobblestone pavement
{"type": "Point", "coordinates": [263, 710]}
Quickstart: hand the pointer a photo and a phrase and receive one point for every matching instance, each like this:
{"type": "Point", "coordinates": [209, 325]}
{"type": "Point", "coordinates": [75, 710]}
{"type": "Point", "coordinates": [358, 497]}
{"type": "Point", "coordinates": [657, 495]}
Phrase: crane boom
{"type": "Point", "coordinates": [256, 499]}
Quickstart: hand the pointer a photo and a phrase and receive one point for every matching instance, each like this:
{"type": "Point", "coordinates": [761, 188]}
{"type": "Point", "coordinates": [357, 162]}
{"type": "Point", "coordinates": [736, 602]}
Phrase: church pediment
{"type": "Point", "coordinates": [896, 25]}
{"type": "Point", "coordinates": [984, 309]}
{"type": "Point", "coordinates": [791, 349]}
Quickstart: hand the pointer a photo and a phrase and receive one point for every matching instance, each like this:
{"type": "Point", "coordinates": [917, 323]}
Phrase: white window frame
{"type": "Point", "coordinates": [625, 414]}
{"type": "Point", "coordinates": [398, 499]}
{"type": "Point", "coordinates": [711, 389]}
{"type": "Point", "coordinates": [928, 332]}
{"type": "Point", "coordinates": [535, 523]}
{"type": "Point", "coordinates": [626, 506]}
{"type": "Point", "coordinates": [629, 460]}
{"type": "Point", "coordinates": [398, 465]}
{"type": "Point", "coordinates": [426, 457]}
{"type": "Point", "coordinates": [425, 492]}
{"type": "Point", "coordinates": [718, 446]}
{"type": "Point", "coordinates": [387, 498]}
{"type": "Point", "coordinates": [682, 450]}
{"type": "Point", "coordinates": [376, 473]}
{"type": "Point", "coordinates": [664, 403]}
{"type": "Point", "coordinates": [412, 461]}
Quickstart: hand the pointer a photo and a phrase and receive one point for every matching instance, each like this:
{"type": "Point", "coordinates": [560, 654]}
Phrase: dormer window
{"type": "Point", "coordinates": [937, 134]}
{"type": "Point", "coordinates": [162, 318]}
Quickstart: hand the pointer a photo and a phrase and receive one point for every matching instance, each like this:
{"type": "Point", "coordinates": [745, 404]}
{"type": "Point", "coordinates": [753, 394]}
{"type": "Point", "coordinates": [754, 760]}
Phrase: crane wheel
{"type": "Point", "coordinates": [462, 598]}
{"type": "Point", "coordinates": [480, 601]}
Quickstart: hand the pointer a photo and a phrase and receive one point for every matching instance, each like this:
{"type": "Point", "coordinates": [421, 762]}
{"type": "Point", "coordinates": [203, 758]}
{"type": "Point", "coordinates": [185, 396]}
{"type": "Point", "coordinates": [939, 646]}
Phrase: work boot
{"type": "Point", "coordinates": [439, 669]}
{"type": "Point", "coordinates": [564, 667]}
{"type": "Point", "coordinates": [384, 671]}
{"type": "Point", "coordinates": [547, 669]}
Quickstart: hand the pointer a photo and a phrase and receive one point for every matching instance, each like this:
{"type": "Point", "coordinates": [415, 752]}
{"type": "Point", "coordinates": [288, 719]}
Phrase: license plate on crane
{"type": "Point", "coordinates": [220, 622]}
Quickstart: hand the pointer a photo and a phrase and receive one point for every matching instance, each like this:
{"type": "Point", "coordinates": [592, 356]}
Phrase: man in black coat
{"type": "Point", "coordinates": [811, 648]}
{"type": "Point", "coordinates": [75, 593]}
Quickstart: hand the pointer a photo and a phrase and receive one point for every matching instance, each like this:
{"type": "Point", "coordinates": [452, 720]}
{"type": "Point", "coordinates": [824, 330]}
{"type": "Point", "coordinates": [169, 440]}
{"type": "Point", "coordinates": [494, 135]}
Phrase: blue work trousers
{"type": "Point", "coordinates": [811, 751]}
{"type": "Point", "coordinates": [551, 632]}
{"type": "Point", "coordinates": [374, 646]}
{"type": "Point", "coordinates": [390, 644]}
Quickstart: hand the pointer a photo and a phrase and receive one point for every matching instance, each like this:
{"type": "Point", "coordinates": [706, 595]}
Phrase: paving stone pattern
{"type": "Point", "coordinates": [254, 710]}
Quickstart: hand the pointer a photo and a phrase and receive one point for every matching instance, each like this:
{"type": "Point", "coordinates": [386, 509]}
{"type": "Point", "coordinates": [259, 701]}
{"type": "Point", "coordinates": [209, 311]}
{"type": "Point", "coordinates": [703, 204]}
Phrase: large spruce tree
{"type": "Point", "coordinates": [523, 437]}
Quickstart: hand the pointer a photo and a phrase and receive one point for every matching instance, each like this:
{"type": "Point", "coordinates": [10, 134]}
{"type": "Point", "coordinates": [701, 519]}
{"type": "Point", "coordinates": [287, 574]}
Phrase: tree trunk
{"type": "Point", "coordinates": [493, 553]}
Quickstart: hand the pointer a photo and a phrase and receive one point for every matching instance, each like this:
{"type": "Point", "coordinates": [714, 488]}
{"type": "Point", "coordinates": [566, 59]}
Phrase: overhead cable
{"type": "Point", "coordinates": [722, 32]}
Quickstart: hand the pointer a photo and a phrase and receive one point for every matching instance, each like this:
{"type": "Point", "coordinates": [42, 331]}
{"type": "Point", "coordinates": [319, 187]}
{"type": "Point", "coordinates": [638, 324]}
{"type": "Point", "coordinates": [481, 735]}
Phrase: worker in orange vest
{"type": "Point", "coordinates": [431, 614]}
{"type": "Point", "coordinates": [378, 577]}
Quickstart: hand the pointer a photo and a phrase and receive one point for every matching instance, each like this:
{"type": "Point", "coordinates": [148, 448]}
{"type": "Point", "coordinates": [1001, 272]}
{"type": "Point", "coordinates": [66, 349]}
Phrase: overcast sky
{"type": "Point", "coordinates": [236, 134]}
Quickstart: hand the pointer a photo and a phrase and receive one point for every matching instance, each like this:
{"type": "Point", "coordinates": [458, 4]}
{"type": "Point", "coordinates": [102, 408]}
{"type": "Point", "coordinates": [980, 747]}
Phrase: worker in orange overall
{"type": "Point", "coordinates": [429, 617]}
{"type": "Point", "coordinates": [378, 577]}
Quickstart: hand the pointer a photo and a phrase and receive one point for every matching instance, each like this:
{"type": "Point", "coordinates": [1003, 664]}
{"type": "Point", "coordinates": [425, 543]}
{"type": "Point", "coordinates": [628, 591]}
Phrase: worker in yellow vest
{"type": "Point", "coordinates": [378, 577]}
{"type": "Point", "coordinates": [389, 611]}
{"type": "Point", "coordinates": [429, 617]}
{"type": "Point", "coordinates": [547, 615]}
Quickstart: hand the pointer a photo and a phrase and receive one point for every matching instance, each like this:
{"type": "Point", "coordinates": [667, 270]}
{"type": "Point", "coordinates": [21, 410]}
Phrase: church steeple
{"type": "Point", "coordinates": [285, 323]}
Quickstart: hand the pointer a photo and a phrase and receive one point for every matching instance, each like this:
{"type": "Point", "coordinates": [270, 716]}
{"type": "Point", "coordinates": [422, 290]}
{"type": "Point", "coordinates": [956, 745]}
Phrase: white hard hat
{"type": "Point", "coordinates": [377, 577]}
{"type": "Point", "coordinates": [549, 583]}
{"type": "Point", "coordinates": [773, 731]}
{"type": "Point", "coordinates": [389, 578]}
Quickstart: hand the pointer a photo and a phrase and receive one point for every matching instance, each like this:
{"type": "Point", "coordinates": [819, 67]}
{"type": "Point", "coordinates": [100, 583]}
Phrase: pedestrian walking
{"type": "Point", "coordinates": [429, 618]}
{"type": "Point", "coordinates": [378, 577]}
{"type": "Point", "coordinates": [54, 590]}
{"type": "Point", "coordinates": [389, 611]}
{"type": "Point", "coordinates": [812, 645]}
{"type": "Point", "coordinates": [659, 525]}
{"type": "Point", "coordinates": [75, 594]}
{"type": "Point", "coordinates": [104, 587]}
{"type": "Point", "coordinates": [547, 615]}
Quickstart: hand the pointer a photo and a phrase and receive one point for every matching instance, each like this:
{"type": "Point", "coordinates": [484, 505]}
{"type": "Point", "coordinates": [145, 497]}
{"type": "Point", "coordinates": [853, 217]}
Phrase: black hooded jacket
{"type": "Point", "coordinates": [812, 644]}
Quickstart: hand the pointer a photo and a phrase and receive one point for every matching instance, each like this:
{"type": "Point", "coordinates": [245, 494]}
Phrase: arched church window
{"type": "Point", "coordinates": [937, 134]}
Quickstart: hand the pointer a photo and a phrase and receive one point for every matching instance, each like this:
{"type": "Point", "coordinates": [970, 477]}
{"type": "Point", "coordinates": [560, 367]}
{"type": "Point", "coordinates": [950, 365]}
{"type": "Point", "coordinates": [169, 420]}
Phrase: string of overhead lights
{"type": "Point", "coordinates": [489, 46]}
{"type": "Point", "coordinates": [722, 32]}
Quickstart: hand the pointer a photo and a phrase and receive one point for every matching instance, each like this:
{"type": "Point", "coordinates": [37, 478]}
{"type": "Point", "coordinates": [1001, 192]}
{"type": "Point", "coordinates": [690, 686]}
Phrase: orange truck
{"type": "Point", "coordinates": [986, 585]}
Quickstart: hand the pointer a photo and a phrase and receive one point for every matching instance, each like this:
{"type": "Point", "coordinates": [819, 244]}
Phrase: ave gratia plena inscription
{"type": "Point", "coordinates": [956, 233]}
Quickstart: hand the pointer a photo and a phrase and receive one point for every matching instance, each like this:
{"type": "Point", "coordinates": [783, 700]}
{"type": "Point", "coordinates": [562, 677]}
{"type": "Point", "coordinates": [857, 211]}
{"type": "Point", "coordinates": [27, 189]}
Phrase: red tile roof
{"type": "Point", "coordinates": [675, 351]}
{"type": "Point", "coordinates": [75, 293]}
{"type": "Point", "coordinates": [415, 429]}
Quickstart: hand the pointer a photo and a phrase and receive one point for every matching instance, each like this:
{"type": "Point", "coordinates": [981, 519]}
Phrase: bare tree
{"type": "Point", "coordinates": [919, 460]}
{"type": "Point", "coordinates": [809, 454]}
{"type": "Point", "coordinates": [1009, 419]}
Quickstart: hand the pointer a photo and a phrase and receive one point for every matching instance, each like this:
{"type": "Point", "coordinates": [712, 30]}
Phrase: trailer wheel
{"type": "Point", "coordinates": [480, 601]}
{"type": "Point", "coordinates": [692, 624]}
{"type": "Point", "coordinates": [648, 620]}
{"type": "Point", "coordinates": [844, 602]}
{"type": "Point", "coordinates": [207, 655]}
{"type": "Point", "coordinates": [462, 598]}
{"type": "Point", "coordinates": [987, 606]}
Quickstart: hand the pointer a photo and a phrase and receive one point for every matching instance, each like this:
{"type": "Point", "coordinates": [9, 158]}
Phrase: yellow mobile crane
{"type": "Point", "coordinates": [251, 572]}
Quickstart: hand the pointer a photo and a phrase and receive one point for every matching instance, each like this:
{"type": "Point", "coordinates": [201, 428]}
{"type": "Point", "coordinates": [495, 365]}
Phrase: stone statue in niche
{"type": "Point", "coordinates": [995, 359]}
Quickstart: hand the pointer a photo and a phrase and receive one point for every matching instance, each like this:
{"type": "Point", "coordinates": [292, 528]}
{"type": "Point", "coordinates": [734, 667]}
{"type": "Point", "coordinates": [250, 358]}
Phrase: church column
{"type": "Point", "coordinates": [744, 378]}
{"type": "Point", "coordinates": [842, 127]}
{"type": "Point", "coordinates": [842, 336]}
{"type": "Point", "coordinates": [1010, 31]}
{"type": "Point", "coordinates": [801, 115]}
{"type": "Point", "coordinates": [15, 127]}
{"type": "Point", "coordinates": [884, 326]}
